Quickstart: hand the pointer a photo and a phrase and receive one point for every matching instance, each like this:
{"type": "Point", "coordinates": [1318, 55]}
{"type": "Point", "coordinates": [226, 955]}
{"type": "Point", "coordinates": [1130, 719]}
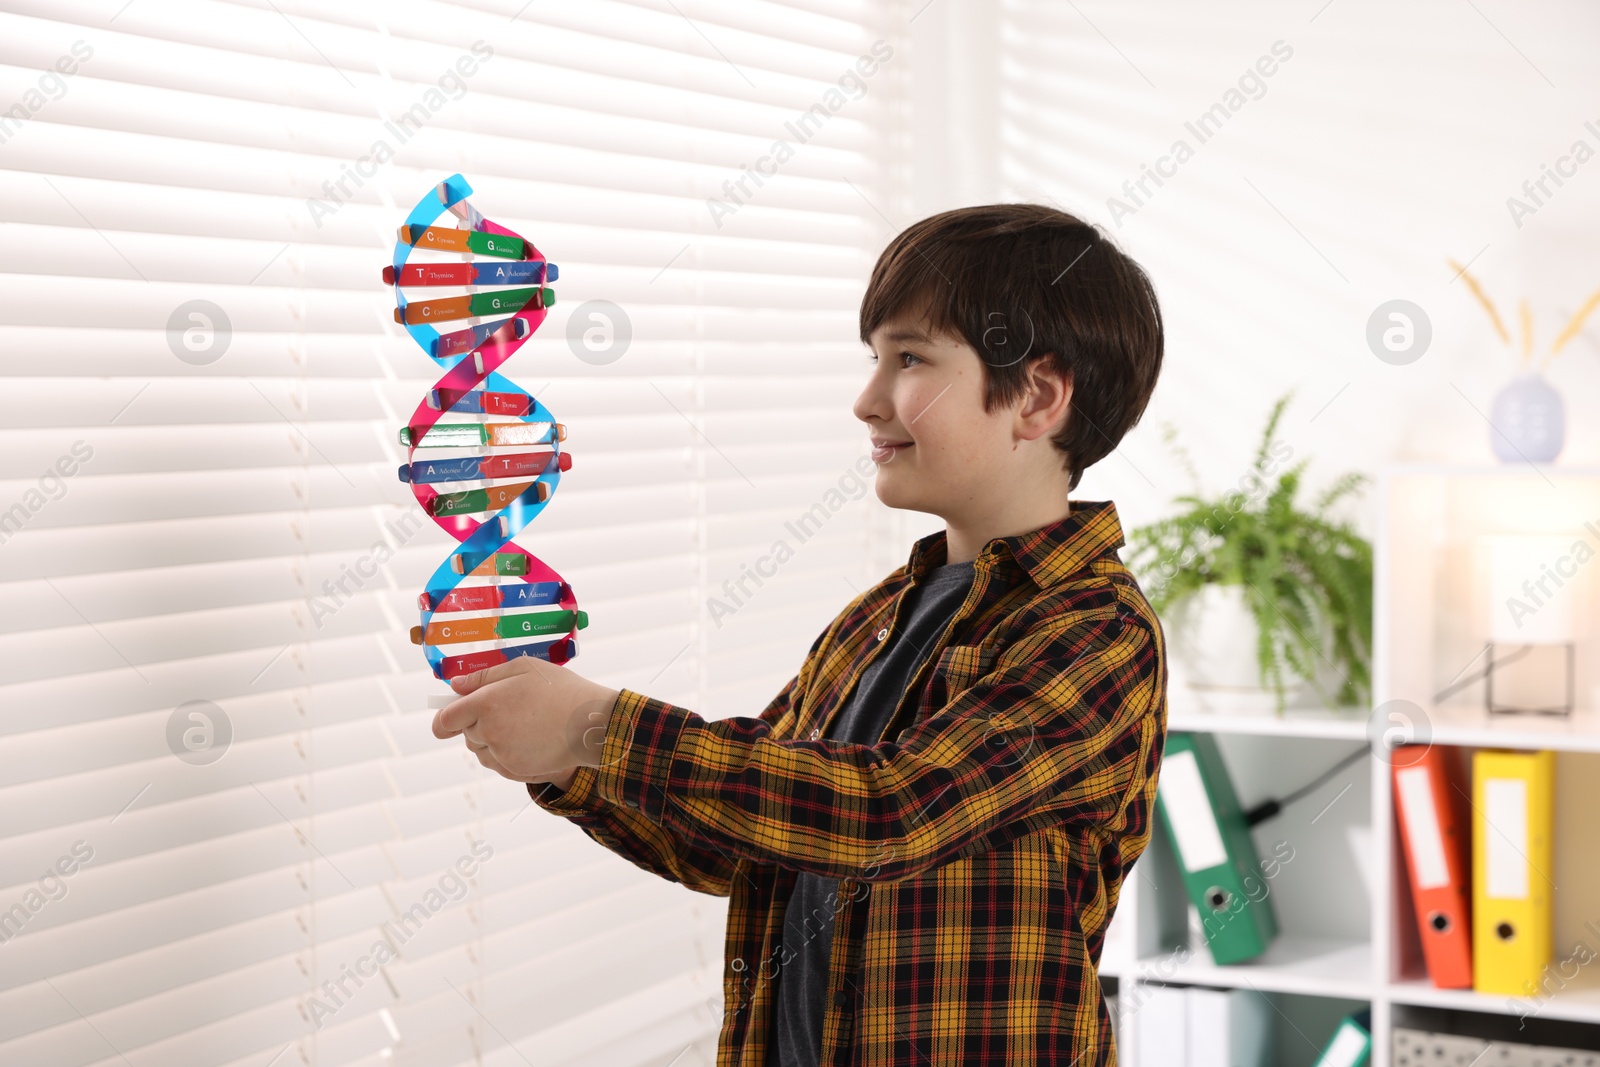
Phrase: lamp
{"type": "Point", "coordinates": [1533, 595]}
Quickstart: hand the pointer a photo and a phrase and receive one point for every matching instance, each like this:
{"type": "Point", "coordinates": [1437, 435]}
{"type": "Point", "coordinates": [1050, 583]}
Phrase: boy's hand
{"type": "Point", "coordinates": [529, 720]}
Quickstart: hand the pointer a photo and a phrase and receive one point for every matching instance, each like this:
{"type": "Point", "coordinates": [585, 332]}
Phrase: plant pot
{"type": "Point", "coordinates": [1212, 640]}
{"type": "Point", "coordinates": [1528, 420]}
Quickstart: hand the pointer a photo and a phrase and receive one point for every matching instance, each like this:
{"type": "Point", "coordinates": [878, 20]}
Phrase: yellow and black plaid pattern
{"type": "Point", "coordinates": [981, 845]}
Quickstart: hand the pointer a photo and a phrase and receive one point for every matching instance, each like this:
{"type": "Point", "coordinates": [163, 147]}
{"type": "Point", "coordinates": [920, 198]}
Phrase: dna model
{"type": "Point", "coordinates": [493, 455]}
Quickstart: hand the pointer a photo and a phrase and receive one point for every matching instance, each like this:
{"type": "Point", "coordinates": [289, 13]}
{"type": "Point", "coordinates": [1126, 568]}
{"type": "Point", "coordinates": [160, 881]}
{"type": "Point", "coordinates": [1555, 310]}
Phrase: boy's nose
{"type": "Point", "coordinates": [873, 403]}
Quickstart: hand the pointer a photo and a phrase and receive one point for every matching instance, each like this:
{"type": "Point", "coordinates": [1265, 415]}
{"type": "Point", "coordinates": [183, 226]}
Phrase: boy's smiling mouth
{"type": "Point", "coordinates": [884, 449]}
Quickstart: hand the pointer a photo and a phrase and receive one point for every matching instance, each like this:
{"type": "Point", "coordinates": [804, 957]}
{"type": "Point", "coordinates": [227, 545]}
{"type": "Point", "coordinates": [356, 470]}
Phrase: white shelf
{"type": "Point", "coordinates": [1578, 1002]}
{"type": "Point", "coordinates": [1473, 727]}
{"type": "Point", "coordinates": [1333, 724]}
{"type": "Point", "coordinates": [1320, 967]}
{"type": "Point", "coordinates": [1450, 725]}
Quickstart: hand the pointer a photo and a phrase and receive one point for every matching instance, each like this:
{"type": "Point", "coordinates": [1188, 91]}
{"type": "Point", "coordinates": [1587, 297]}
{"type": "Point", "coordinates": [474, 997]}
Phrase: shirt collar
{"type": "Point", "coordinates": [1049, 554]}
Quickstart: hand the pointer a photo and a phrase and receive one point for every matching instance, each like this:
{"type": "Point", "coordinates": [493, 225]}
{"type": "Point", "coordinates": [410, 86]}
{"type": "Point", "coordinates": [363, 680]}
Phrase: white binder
{"type": "Point", "coordinates": [1229, 1028]}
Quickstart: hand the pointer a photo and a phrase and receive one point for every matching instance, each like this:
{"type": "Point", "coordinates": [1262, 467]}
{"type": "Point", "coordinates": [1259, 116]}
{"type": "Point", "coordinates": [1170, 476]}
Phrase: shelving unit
{"type": "Point", "coordinates": [1348, 935]}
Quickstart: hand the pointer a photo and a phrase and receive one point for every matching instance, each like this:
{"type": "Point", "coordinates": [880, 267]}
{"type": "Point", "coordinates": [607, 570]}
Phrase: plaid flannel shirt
{"type": "Point", "coordinates": [981, 844]}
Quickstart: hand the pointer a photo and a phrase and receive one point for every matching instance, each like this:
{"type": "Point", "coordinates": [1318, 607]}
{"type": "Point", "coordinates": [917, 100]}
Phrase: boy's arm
{"type": "Point", "coordinates": [1066, 717]}
{"type": "Point", "coordinates": [703, 867]}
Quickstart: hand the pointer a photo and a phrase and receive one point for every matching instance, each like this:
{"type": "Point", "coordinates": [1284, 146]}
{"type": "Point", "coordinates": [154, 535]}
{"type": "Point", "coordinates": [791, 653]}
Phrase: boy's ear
{"type": "Point", "coordinates": [1047, 399]}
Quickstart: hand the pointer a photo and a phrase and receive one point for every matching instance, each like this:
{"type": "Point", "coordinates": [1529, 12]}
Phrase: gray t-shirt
{"type": "Point", "coordinates": [796, 1040]}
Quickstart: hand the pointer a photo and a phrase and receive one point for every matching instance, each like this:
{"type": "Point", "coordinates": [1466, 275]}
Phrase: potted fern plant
{"type": "Point", "coordinates": [1266, 600]}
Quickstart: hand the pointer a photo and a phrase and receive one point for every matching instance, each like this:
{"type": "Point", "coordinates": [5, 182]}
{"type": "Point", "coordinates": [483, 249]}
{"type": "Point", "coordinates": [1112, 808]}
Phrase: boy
{"type": "Point", "coordinates": [925, 834]}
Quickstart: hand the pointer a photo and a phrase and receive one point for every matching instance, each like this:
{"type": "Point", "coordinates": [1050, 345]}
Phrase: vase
{"type": "Point", "coordinates": [1214, 666]}
{"type": "Point", "coordinates": [1528, 420]}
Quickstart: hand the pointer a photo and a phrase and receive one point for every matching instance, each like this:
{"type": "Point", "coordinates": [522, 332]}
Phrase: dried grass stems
{"type": "Point", "coordinates": [1525, 317]}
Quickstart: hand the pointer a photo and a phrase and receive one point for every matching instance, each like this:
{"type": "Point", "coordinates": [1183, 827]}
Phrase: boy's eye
{"type": "Point", "coordinates": [872, 357]}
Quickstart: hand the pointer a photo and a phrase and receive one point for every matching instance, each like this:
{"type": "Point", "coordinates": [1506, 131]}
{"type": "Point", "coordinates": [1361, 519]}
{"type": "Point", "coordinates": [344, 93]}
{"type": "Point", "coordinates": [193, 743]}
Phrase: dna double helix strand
{"type": "Point", "coordinates": [492, 455]}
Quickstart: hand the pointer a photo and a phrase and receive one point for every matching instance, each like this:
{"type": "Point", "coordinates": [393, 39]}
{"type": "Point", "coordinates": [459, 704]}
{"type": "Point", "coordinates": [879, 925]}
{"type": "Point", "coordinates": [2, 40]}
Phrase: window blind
{"type": "Point", "coordinates": [227, 835]}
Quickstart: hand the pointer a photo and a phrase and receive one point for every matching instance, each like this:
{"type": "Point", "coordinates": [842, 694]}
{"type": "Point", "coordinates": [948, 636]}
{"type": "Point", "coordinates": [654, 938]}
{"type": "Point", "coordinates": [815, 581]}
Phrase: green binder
{"type": "Point", "coordinates": [1351, 1044]}
{"type": "Point", "coordinates": [1221, 869]}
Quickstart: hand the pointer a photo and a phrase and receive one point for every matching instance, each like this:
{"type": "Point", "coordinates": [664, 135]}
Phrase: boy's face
{"type": "Point", "coordinates": [924, 404]}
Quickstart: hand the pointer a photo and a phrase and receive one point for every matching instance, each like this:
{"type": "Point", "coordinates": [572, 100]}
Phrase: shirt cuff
{"type": "Point", "coordinates": [636, 757]}
{"type": "Point", "coordinates": [579, 798]}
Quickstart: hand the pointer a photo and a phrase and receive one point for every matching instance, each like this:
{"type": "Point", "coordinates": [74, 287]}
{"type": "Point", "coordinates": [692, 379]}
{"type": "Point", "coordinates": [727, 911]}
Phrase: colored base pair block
{"type": "Point", "coordinates": [508, 302]}
{"type": "Point", "coordinates": [506, 457]}
{"type": "Point", "coordinates": [470, 434]}
{"type": "Point", "coordinates": [459, 342]}
{"type": "Point", "coordinates": [502, 564]}
{"type": "Point", "coordinates": [558, 651]}
{"type": "Point", "coordinates": [478, 402]}
{"type": "Point", "coordinates": [474, 468]}
{"type": "Point", "coordinates": [498, 627]}
{"type": "Point", "coordinates": [494, 597]}
{"type": "Point", "coordinates": [448, 239]}
{"type": "Point", "coordinates": [498, 273]}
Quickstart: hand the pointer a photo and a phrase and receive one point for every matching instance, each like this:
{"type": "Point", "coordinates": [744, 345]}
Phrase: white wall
{"type": "Point", "coordinates": [1389, 141]}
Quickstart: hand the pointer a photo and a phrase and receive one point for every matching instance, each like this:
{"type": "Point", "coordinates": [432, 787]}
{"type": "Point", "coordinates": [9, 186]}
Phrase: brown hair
{"type": "Point", "coordinates": [1020, 282]}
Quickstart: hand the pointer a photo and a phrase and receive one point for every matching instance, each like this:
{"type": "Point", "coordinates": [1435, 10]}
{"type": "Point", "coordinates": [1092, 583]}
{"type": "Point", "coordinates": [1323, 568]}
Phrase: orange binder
{"type": "Point", "coordinates": [1436, 862]}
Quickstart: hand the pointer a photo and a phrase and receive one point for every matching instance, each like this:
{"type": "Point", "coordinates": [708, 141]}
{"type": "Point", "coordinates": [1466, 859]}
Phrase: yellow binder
{"type": "Point", "coordinates": [1512, 875]}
